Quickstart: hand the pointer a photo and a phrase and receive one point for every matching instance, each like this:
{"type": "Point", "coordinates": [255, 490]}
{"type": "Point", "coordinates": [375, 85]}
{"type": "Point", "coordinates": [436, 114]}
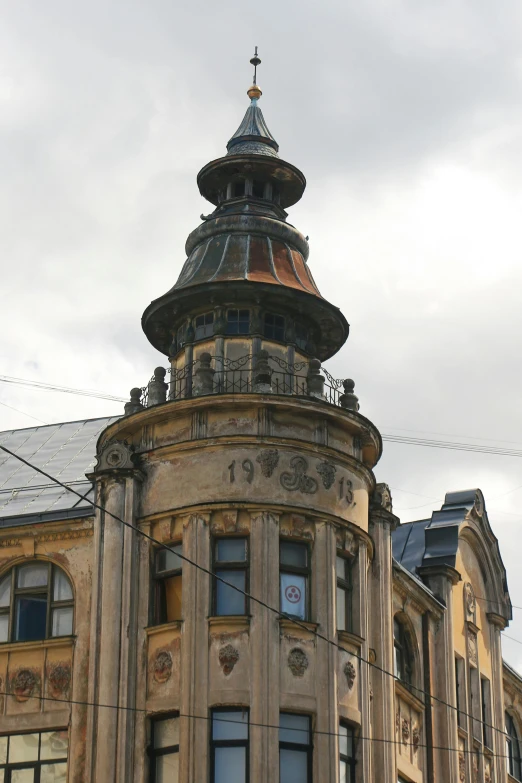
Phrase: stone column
{"type": "Point", "coordinates": [365, 671]}
{"type": "Point", "coordinates": [440, 580]}
{"type": "Point", "coordinates": [380, 611]}
{"type": "Point", "coordinates": [497, 625]}
{"type": "Point", "coordinates": [110, 732]}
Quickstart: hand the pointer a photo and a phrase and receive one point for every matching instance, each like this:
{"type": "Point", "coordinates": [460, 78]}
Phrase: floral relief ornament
{"type": "Point", "coordinates": [297, 662]}
{"type": "Point", "coordinates": [59, 679]}
{"type": "Point", "coordinates": [405, 730]}
{"type": "Point", "coordinates": [327, 472]}
{"type": "Point", "coordinates": [471, 602]}
{"type": "Point", "coordinates": [163, 666]}
{"type": "Point", "coordinates": [228, 657]}
{"type": "Point", "coordinates": [23, 684]}
{"type": "Point", "coordinates": [462, 766]}
{"type": "Point", "coordinates": [415, 738]}
{"type": "Point", "coordinates": [350, 674]}
{"type": "Point", "coordinates": [269, 460]}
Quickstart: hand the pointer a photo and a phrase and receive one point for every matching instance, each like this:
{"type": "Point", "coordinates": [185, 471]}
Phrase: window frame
{"type": "Point", "coordinates": [349, 761]}
{"type": "Point", "coordinates": [403, 645]}
{"type": "Point", "coordinates": [300, 747]}
{"type": "Point", "coordinates": [234, 743]}
{"type": "Point", "coordinates": [485, 698]}
{"type": "Point", "coordinates": [160, 599]}
{"type": "Point", "coordinates": [274, 331]}
{"type": "Point", "coordinates": [511, 737]}
{"type": "Point", "coordinates": [47, 590]}
{"type": "Point", "coordinates": [302, 336]}
{"type": "Point", "coordinates": [152, 752]}
{"type": "Point", "coordinates": [230, 565]}
{"type": "Point", "coordinates": [345, 584]}
{"type": "Point", "coordinates": [305, 571]}
{"type": "Point", "coordinates": [204, 326]}
{"type": "Point", "coordinates": [237, 321]}
{"type": "Point", "coordinates": [37, 765]}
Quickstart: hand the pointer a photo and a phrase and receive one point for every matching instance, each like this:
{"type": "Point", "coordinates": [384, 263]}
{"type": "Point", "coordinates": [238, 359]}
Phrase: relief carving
{"type": "Point", "coordinates": [415, 738]}
{"type": "Point", "coordinates": [405, 730]}
{"type": "Point", "coordinates": [462, 766]}
{"type": "Point", "coordinates": [382, 498]}
{"type": "Point", "coordinates": [297, 662]}
{"type": "Point", "coordinates": [115, 455]}
{"type": "Point", "coordinates": [59, 679]}
{"type": "Point", "coordinates": [23, 684]}
{"type": "Point", "coordinates": [269, 460]}
{"type": "Point", "coordinates": [163, 666]}
{"type": "Point", "coordinates": [397, 722]}
{"type": "Point", "coordinates": [487, 772]}
{"type": "Point", "coordinates": [476, 767]}
{"type": "Point", "coordinates": [350, 674]}
{"type": "Point", "coordinates": [472, 648]}
{"type": "Point", "coordinates": [298, 479]}
{"type": "Point", "coordinates": [469, 598]}
{"type": "Point", "coordinates": [228, 657]}
{"type": "Point", "coordinates": [327, 472]}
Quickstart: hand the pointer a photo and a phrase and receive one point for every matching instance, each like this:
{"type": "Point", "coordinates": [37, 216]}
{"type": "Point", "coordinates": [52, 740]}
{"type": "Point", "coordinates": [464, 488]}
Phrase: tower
{"type": "Point", "coordinates": [248, 459]}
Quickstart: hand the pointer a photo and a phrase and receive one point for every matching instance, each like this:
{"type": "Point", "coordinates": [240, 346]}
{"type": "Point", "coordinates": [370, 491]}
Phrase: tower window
{"type": "Point", "coordinates": [294, 571]}
{"type": "Point", "coordinates": [164, 749]}
{"type": "Point", "coordinates": [36, 602]}
{"type": "Point", "coordinates": [301, 336]}
{"type": "Point", "coordinates": [229, 746]}
{"type": "Point", "coordinates": [204, 326]}
{"type": "Point", "coordinates": [346, 753]}
{"type": "Point", "coordinates": [403, 653]}
{"type": "Point", "coordinates": [181, 336]}
{"type": "Point", "coordinates": [274, 327]}
{"type": "Point", "coordinates": [238, 321]}
{"type": "Point", "coordinates": [258, 189]}
{"type": "Point", "coordinates": [513, 748]}
{"type": "Point", "coordinates": [238, 189]}
{"type": "Point", "coordinates": [343, 569]}
{"type": "Point", "coordinates": [168, 578]}
{"type": "Point", "coordinates": [231, 564]}
{"type": "Point", "coordinates": [295, 748]}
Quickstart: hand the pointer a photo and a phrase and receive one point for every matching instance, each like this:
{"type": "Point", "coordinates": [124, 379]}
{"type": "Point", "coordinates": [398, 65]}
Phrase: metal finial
{"type": "Point", "coordinates": [254, 92]}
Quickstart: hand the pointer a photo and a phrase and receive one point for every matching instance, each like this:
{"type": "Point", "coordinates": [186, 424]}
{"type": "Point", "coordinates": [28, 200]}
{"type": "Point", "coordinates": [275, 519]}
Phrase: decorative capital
{"type": "Point", "coordinates": [115, 455]}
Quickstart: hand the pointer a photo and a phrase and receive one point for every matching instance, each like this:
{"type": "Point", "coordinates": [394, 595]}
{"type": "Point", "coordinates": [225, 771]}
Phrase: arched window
{"type": "Point", "coordinates": [36, 602]}
{"type": "Point", "coordinates": [513, 748]}
{"type": "Point", "coordinates": [403, 653]}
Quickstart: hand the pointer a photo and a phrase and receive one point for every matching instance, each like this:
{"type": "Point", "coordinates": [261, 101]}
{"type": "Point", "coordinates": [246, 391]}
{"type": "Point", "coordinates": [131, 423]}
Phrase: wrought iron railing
{"type": "Point", "coordinates": [251, 374]}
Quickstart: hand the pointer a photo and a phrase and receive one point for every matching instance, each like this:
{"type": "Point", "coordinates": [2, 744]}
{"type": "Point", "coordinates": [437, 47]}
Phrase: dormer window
{"type": "Point", "coordinates": [204, 326]}
{"type": "Point", "coordinates": [274, 327]}
{"type": "Point", "coordinates": [238, 321]}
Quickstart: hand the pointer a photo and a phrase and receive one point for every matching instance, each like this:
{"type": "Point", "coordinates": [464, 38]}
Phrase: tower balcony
{"type": "Point", "coordinates": [261, 373]}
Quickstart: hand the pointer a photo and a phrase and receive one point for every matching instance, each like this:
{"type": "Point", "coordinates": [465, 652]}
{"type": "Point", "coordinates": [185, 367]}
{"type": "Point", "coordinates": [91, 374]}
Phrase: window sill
{"type": "Point", "coordinates": [348, 637]}
{"type": "Point", "coordinates": [236, 622]}
{"type": "Point", "coordinates": [155, 629]}
{"type": "Point", "coordinates": [55, 641]}
{"type": "Point", "coordinates": [405, 693]}
{"type": "Point", "coordinates": [304, 627]}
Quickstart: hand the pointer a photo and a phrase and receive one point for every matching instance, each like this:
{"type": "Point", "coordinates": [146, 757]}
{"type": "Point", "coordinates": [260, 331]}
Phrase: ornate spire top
{"type": "Point", "coordinates": [254, 93]}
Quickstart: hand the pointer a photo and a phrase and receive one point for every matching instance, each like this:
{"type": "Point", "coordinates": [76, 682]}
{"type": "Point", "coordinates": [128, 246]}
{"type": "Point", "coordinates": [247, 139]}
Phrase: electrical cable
{"type": "Point", "coordinates": [65, 389]}
{"type": "Point", "coordinates": [208, 718]}
{"type": "Point", "coordinates": [22, 412]}
{"type": "Point", "coordinates": [259, 601]}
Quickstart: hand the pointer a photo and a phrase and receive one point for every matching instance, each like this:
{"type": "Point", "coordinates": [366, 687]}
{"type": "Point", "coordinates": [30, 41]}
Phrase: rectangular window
{"type": "Point", "coordinates": [274, 328]}
{"type": "Point", "coordinates": [258, 189]}
{"type": "Point", "coordinates": [231, 564]}
{"type": "Point", "coordinates": [40, 757]}
{"type": "Point", "coordinates": [239, 189]}
{"type": "Point", "coordinates": [486, 711]}
{"type": "Point", "coordinates": [229, 746]}
{"type": "Point", "coordinates": [346, 754]}
{"type": "Point", "coordinates": [238, 321]}
{"type": "Point", "coordinates": [168, 578]}
{"type": "Point", "coordinates": [301, 336]}
{"type": "Point", "coordinates": [164, 749]}
{"type": "Point", "coordinates": [343, 569]}
{"type": "Point", "coordinates": [295, 748]}
{"type": "Point", "coordinates": [204, 326]}
{"type": "Point", "coordinates": [294, 571]}
{"type": "Point", "coordinates": [460, 692]}
{"type": "Point", "coordinates": [476, 709]}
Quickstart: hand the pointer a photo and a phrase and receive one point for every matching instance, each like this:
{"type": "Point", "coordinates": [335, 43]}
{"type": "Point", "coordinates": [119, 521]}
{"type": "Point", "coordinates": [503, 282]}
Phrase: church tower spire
{"type": "Point", "coordinates": [245, 257]}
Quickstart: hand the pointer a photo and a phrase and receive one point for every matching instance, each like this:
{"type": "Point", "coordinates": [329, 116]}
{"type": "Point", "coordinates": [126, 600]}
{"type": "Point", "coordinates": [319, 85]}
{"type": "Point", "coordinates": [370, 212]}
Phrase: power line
{"type": "Point", "coordinates": [22, 412]}
{"type": "Point", "coordinates": [251, 597]}
{"type": "Point", "coordinates": [65, 389]}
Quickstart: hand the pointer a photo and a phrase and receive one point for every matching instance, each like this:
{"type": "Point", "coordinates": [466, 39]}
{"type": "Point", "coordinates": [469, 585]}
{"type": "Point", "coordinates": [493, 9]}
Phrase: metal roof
{"type": "Point", "coordinates": [66, 451]}
{"type": "Point", "coordinates": [253, 137]}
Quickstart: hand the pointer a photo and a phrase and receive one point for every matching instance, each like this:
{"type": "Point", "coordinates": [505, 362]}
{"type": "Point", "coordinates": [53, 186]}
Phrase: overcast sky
{"type": "Point", "coordinates": [407, 122]}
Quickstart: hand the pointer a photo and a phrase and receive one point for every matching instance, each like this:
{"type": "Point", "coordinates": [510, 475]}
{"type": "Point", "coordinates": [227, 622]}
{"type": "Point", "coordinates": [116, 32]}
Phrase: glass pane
{"type": "Point", "coordinates": [22, 775]}
{"type": "Point", "coordinates": [166, 732]}
{"type": "Point", "coordinates": [230, 765]}
{"type": "Point", "coordinates": [23, 747]}
{"type": "Point", "coordinates": [54, 773]}
{"type": "Point", "coordinates": [228, 600]}
{"type": "Point", "coordinates": [341, 609]}
{"type": "Point", "coordinates": [345, 741]}
{"type": "Point", "coordinates": [293, 766]}
{"type": "Point", "coordinates": [294, 728]}
{"type": "Point", "coordinates": [293, 595]}
{"type": "Point", "coordinates": [30, 617]}
{"type": "Point", "coordinates": [5, 591]}
{"type": "Point", "coordinates": [2, 778]}
{"type": "Point", "coordinates": [294, 554]}
{"type": "Point", "coordinates": [167, 768]}
{"type": "Point", "coordinates": [340, 567]}
{"type": "Point", "coordinates": [54, 745]}
{"type": "Point", "coordinates": [3, 750]}
{"type": "Point", "coordinates": [4, 628]}
{"type": "Point", "coordinates": [228, 725]}
{"type": "Point", "coordinates": [62, 587]}
{"type": "Point", "coordinates": [343, 772]}
{"type": "Point", "coordinates": [173, 586]}
{"type": "Point", "coordinates": [231, 550]}
{"type": "Point", "coordinates": [32, 575]}
{"type": "Point", "coordinates": [169, 561]}
{"type": "Point", "coordinates": [63, 621]}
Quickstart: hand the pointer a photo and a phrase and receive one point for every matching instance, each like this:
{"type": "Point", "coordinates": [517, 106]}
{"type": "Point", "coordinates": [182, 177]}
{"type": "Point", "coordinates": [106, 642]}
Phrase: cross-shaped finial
{"type": "Point", "coordinates": [255, 62]}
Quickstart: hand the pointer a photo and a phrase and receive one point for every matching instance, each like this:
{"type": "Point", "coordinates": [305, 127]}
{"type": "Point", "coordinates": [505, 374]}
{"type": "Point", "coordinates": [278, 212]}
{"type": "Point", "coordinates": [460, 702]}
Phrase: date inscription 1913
{"type": "Point", "coordinates": [297, 477]}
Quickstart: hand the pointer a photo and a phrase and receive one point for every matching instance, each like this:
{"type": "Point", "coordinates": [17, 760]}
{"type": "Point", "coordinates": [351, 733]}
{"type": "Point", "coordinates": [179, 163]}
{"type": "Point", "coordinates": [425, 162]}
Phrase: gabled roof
{"type": "Point", "coordinates": [66, 451]}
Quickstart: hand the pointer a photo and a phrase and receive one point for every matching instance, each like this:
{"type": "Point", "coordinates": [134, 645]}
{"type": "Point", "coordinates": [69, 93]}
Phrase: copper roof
{"type": "Point", "coordinates": [234, 256]}
{"type": "Point", "coordinates": [253, 137]}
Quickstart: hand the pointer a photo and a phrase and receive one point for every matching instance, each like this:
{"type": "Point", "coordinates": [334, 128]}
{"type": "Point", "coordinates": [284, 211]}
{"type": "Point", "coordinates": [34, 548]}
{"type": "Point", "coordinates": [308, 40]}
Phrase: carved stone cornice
{"type": "Point", "coordinates": [446, 571]}
{"type": "Point", "coordinates": [65, 535]}
{"type": "Point", "coordinates": [497, 620]}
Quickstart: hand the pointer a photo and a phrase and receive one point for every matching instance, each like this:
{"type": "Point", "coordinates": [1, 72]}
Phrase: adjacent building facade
{"type": "Point", "coordinates": [229, 596]}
